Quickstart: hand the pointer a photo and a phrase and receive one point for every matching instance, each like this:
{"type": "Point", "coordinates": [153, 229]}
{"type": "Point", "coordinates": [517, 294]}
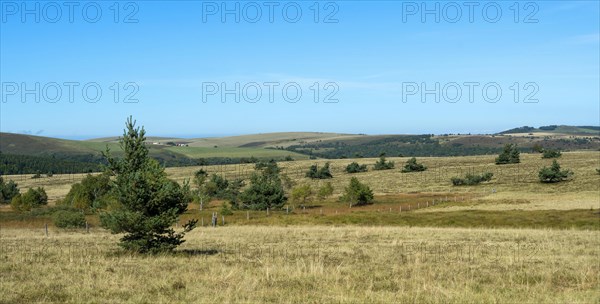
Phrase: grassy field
{"type": "Point", "coordinates": [513, 199]}
{"type": "Point", "coordinates": [512, 187]}
{"type": "Point", "coordinates": [513, 240]}
{"type": "Point", "coordinates": [511, 183]}
{"type": "Point", "coordinates": [201, 152]}
{"type": "Point", "coordinates": [317, 264]}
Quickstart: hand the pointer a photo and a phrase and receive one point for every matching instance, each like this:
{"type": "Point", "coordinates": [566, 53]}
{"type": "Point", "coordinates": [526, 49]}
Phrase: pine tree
{"type": "Point", "coordinates": [8, 190]}
{"type": "Point", "coordinates": [510, 155]}
{"type": "Point", "coordinates": [319, 173]}
{"type": "Point", "coordinates": [150, 203]}
{"type": "Point", "coordinates": [553, 174]}
{"type": "Point", "coordinates": [357, 193]}
{"type": "Point", "coordinates": [265, 191]}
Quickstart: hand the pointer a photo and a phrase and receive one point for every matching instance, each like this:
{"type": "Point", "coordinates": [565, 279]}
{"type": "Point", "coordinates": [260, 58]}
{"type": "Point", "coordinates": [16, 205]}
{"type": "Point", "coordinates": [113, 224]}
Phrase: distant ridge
{"type": "Point", "coordinates": [172, 151]}
{"type": "Point", "coordinates": [556, 129]}
{"type": "Point", "coordinates": [275, 139]}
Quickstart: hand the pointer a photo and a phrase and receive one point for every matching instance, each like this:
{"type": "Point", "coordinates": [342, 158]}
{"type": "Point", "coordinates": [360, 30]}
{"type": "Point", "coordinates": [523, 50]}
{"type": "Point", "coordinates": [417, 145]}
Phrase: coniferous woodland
{"type": "Point", "coordinates": [26, 164]}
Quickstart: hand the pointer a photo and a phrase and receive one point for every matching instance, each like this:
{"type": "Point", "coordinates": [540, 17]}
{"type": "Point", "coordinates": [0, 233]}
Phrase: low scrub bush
{"type": "Point", "coordinates": [33, 198]}
{"type": "Point", "coordinates": [382, 164]}
{"type": "Point", "coordinates": [319, 173]}
{"type": "Point", "coordinates": [325, 191]}
{"type": "Point", "coordinates": [356, 168]}
{"type": "Point", "coordinates": [68, 219]}
{"type": "Point", "coordinates": [551, 154]}
{"type": "Point", "coordinates": [412, 166]}
{"type": "Point", "coordinates": [472, 179]}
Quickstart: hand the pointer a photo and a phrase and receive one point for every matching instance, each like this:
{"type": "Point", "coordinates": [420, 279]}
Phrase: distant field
{"type": "Point", "coordinates": [202, 152]}
{"type": "Point", "coordinates": [97, 146]}
{"type": "Point", "coordinates": [560, 131]}
{"type": "Point", "coordinates": [280, 139]}
{"type": "Point", "coordinates": [199, 152]}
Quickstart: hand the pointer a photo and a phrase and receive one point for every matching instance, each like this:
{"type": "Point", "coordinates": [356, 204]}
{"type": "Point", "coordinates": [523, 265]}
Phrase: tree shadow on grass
{"type": "Point", "coordinates": [178, 252]}
{"type": "Point", "coordinates": [196, 252]}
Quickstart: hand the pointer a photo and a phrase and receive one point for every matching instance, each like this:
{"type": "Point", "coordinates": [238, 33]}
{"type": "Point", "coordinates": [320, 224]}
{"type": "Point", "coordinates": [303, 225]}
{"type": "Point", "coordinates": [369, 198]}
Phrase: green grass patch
{"type": "Point", "coordinates": [583, 219]}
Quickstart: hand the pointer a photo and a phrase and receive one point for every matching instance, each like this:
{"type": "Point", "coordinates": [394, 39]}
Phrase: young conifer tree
{"type": "Point", "coordinates": [149, 202]}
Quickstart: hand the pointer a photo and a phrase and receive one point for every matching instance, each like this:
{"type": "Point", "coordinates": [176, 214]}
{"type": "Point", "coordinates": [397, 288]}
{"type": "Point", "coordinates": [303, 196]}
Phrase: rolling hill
{"type": "Point", "coordinates": [296, 145]}
{"type": "Point", "coordinates": [73, 155]}
{"type": "Point", "coordinates": [264, 140]}
{"type": "Point", "coordinates": [226, 147]}
{"type": "Point", "coordinates": [554, 130]}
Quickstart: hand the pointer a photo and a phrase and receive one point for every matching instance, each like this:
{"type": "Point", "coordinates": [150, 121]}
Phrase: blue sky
{"type": "Point", "coordinates": [371, 58]}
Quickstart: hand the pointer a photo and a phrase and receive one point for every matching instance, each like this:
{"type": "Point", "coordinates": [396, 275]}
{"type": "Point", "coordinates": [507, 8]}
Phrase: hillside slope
{"type": "Point", "coordinates": [89, 151]}
{"type": "Point", "coordinates": [554, 130]}
{"type": "Point", "coordinates": [302, 145]}
{"type": "Point", "coordinates": [262, 140]}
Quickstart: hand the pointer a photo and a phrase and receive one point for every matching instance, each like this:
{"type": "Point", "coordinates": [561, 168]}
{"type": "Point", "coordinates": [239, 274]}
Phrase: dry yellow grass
{"type": "Point", "coordinates": [510, 183]}
{"type": "Point", "coordinates": [324, 264]}
{"type": "Point", "coordinates": [307, 265]}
